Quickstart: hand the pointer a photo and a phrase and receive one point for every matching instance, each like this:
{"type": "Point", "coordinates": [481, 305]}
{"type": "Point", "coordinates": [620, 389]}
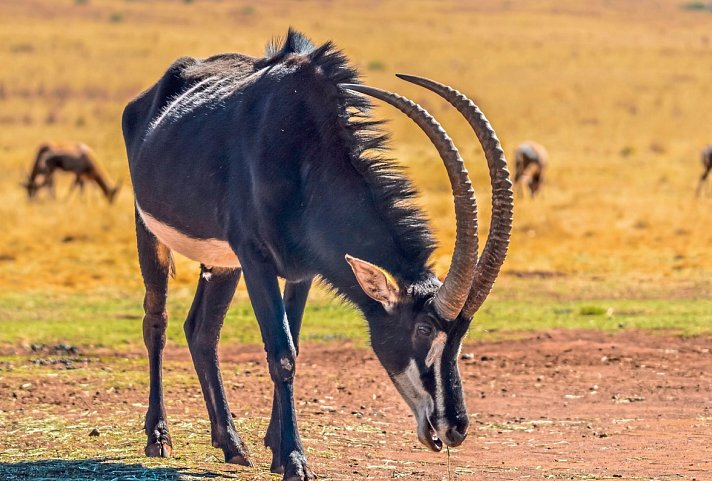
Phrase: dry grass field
{"type": "Point", "coordinates": [618, 92]}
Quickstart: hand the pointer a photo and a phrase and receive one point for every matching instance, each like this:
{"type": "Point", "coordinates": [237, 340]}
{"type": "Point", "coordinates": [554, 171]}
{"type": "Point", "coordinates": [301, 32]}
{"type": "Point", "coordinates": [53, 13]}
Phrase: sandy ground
{"type": "Point", "coordinates": [563, 405]}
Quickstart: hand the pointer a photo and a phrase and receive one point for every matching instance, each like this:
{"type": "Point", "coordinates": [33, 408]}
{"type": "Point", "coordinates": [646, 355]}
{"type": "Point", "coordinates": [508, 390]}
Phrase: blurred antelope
{"type": "Point", "coordinates": [74, 158]}
{"type": "Point", "coordinates": [530, 161]}
{"type": "Point", "coordinates": [707, 164]}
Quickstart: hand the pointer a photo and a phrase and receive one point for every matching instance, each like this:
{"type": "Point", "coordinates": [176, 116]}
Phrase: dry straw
{"type": "Point", "coordinates": [449, 473]}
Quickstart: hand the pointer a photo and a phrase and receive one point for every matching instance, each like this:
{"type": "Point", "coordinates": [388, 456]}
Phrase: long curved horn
{"type": "Point", "coordinates": [502, 197]}
{"type": "Point", "coordinates": [451, 297]}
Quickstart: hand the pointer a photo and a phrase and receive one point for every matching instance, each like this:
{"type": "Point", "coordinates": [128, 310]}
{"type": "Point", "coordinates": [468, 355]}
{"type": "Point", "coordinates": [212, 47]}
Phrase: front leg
{"type": "Point", "coordinates": [295, 298]}
{"type": "Point", "coordinates": [263, 288]}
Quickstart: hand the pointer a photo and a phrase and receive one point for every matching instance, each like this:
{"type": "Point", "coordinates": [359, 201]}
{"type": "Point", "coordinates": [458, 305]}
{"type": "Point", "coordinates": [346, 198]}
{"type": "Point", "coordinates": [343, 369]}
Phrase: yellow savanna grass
{"type": "Point", "coordinates": [618, 92]}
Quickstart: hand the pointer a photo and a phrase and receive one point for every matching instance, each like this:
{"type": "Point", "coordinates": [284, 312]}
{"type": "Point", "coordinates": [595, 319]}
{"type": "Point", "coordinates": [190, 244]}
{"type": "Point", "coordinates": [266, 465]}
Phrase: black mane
{"type": "Point", "coordinates": [294, 43]}
{"type": "Point", "coordinates": [348, 125]}
{"type": "Point", "coordinates": [392, 192]}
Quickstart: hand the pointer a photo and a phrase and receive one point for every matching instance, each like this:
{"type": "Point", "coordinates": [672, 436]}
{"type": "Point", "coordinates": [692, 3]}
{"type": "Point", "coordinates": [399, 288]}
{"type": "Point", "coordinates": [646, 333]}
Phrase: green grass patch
{"type": "Point", "coordinates": [697, 6]}
{"type": "Point", "coordinates": [376, 66]}
{"type": "Point", "coordinates": [113, 320]}
{"type": "Point", "coordinates": [687, 317]}
{"type": "Point", "coordinates": [588, 310]}
{"type": "Point", "coordinates": [116, 17]}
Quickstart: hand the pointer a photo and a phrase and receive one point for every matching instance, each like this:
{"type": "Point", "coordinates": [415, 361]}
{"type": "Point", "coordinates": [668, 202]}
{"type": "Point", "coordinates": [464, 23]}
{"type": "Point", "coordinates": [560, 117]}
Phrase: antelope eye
{"type": "Point", "coordinates": [424, 330]}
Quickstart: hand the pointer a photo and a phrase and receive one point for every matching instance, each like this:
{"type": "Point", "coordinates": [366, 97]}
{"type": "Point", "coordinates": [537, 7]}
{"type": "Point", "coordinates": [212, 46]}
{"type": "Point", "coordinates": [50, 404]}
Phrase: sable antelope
{"type": "Point", "coordinates": [265, 166]}
{"type": "Point", "coordinates": [77, 158]}
{"type": "Point", "coordinates": [530, 161]}
{"type": "Point", "coordinates": [706, 157]}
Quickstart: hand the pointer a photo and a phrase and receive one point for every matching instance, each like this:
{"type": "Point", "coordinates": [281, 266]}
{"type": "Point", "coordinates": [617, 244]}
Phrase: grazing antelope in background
{"type": "Point", "coordinates": [265, 166]}
{"type": "Point", "coordinates": [77, 159]}
{"type": "Point", "coordinates": [706, 157]}
{"type": "Point", "coordinates": [530, 161]}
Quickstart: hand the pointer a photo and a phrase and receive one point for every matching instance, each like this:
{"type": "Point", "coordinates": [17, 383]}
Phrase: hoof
{"type": "Point", "coordinates": [235, 451]}
{"type": "Point", "coordinates": [159, 442]}
{"type": "Point", "coordinates": [298, 477]}
{"type": "Point", "coordinates": [277, 465]}
{"type": "Point", "coordinates": [239, 459]}
{"type": "Point", "coordinates": [159, 450]}
{"type": "Point", "coordinates": [276, 468]}
{"type": "Point", "coordinates": [297, 468]}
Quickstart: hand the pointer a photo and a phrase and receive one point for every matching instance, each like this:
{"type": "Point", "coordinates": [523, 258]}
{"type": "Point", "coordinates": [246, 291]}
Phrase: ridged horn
{"type": "Point", "coordinates": [451, 297]}
{"type": "Point", "coordinates": [502, 197]}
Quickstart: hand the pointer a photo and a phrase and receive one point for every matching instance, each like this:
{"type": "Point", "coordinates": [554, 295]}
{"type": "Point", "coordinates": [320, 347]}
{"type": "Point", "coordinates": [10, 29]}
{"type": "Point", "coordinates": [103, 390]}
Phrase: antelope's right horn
{"type": "Point", "coordinates": [502, 196]}
{"type": "Point", "coordinates": [451, 297]}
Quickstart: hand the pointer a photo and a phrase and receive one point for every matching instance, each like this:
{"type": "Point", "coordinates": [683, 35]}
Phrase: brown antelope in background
{"type": "Point", "coordinates": [707, 164]}
{"type": "Point", "coordinates": [530, 161]}
{"type": "Point", "coordinates": [76, 158]}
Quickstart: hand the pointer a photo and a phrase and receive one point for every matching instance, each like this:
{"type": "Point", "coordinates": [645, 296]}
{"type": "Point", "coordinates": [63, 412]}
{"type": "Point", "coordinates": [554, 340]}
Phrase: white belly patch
{"type": "Point", "coordinates": [211, 252]}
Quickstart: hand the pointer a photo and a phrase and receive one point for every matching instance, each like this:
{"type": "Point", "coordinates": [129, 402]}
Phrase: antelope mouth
{"type": "Point", "coordinates": [428, 436]}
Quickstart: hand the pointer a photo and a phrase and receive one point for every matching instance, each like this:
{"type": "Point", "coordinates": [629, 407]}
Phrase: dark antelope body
{"type": "Point", "coordinates": [706, 157]}
{"type": "Point", "coordinates": [530, 161]}
{"type": "Point", "coordinates": [74, 158]}
{"type": "Point", "coordinates": [266, 166]}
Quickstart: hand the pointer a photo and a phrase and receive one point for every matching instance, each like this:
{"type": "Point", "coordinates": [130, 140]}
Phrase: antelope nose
{"type": "Point", "coordinates": [455, 435]}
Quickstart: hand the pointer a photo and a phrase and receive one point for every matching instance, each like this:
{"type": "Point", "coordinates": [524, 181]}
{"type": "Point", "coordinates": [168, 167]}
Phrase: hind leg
{"type": "Point", "coordinates": [202, 329]}
{"type": "Point", "coordinates": [155, 261]}
{"type": "Point", "coordinates": [701, 184]}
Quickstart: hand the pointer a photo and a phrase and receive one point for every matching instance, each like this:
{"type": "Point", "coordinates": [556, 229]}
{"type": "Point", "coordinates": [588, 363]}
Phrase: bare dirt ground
{"type": "Point", "coordinates": [564, 405]}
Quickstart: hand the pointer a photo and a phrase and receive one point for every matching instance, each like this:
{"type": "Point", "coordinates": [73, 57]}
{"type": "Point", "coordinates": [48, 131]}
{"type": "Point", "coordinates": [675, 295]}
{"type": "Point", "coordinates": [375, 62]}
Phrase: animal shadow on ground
{"type": "Point", "coordinates": [96, 470]}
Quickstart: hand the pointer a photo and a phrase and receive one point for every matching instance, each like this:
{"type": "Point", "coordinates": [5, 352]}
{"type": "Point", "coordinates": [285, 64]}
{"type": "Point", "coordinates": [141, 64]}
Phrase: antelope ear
{"type": "Point", "coordinates": [377, 283]}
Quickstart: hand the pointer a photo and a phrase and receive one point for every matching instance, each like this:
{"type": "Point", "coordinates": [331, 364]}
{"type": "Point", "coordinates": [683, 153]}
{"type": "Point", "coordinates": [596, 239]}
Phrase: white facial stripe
{"type": "Point", "coordinates": [411, 388]}
{"type": "Point", "coordinates": [439, 394]}
{"type": "Point", "coordinates": [441, 425]}
{"type": "Point", "coordinates": [211, 252]}
{"type": "Point", "coordinates": [436, 349]}
{"type": "Point", "coordinates": [435, 359]}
